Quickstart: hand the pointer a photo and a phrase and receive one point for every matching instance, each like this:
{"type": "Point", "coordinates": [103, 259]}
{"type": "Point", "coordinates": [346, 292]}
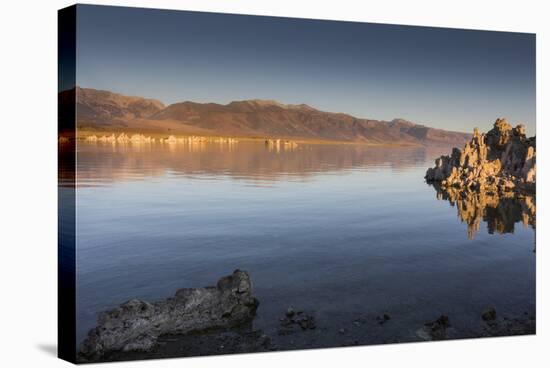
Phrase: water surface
{"type": "Point", "coordinates": [344, 231]}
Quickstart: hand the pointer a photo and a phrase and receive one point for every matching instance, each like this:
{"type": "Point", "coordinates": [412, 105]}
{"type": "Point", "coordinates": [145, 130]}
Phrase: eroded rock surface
{"type": "Point", "coordinates": [136, 325]}
{"type": "Point", "coordinates": [502, 160]}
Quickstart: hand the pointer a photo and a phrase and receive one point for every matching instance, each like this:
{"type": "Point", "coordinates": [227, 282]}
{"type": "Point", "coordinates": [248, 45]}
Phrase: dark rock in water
{"type": "Point", "coordinates": [293, 318]}
{"type": "Point", "coordinates": [436, 330]}
{"type": "Point", "coordinates": [383, 318]}
{"type": "Point", "coordinates": [235, 340]}
{"type": "Point", "coordinates": [290, 312]}
{"type": "Point", "coordinates": [489, 315]}
{"type": "Point", "coordinates": [306, 322]}
{"type": "Point", "coordinates": [443, 321]}
{"type": "Point", "coordinates": [136, 324]}
{"type": "Point", "coordinates": [502, 160]}
{"type": "Point", "coordinates": [524, 325]}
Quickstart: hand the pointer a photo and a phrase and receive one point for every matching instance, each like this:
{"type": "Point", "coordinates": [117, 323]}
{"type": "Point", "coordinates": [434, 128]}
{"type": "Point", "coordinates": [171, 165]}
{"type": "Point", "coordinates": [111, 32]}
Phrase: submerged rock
{"type": "Point", "coordinates": [524, 325]}
{"type": "Point", "coordinates": [383, 318]}
{"type": "Point", "coordinates": [136, 325]}
{"type": "Point", "coordinates": [502, 160]}
{"type": "Point", "coordinates": [296, 318]}
{"type": "Point", "coordinates": [436, 330]}
{"type": "Point", "coordinates": [290, 312]}
{"type": "Point", "coordinates": [489, 315]}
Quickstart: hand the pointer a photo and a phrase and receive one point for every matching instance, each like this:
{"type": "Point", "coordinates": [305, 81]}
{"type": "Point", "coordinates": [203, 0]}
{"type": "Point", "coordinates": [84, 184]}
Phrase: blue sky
{"type": "Point", "coordinates": [445, 78]}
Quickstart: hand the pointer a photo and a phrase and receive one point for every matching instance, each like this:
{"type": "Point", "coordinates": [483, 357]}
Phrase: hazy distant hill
{"type": "Point", "coordinates": [252, 118]}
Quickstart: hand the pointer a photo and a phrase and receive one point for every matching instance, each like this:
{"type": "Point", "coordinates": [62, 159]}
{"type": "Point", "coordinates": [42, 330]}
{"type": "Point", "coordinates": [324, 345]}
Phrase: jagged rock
{"type": "Point", "coordinates": [493, 179]}
{"type": "Point", "coordinates": [502, 160]}
{"type": "Point", "coordinates": [136, 324]}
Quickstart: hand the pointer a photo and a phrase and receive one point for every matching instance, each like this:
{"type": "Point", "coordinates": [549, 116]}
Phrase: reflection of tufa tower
{"type": "Point", "coordinates": [501, 211]}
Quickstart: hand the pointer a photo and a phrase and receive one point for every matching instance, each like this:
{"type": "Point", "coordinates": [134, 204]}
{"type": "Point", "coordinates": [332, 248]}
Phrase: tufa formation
{"type": "Point", "coordinates": [502, 160]}
{"type": "Point", "coordinates": [136, 324]}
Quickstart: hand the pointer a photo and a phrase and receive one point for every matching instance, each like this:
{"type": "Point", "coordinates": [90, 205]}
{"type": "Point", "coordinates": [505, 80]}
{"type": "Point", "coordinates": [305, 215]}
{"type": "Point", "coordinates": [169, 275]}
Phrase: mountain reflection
{"type": "Point", "coordinates": [253, 162]}
{"type": "Point", "coordinates": [501, 211]}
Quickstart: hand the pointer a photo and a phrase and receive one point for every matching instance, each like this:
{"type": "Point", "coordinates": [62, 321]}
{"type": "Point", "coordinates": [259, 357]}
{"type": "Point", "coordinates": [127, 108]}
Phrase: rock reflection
{"type": "Point", "coordinates": [501, 211]}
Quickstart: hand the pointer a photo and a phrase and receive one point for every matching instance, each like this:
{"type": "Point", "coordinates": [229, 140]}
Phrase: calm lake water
{"type": "Point", "coordinates": [346, 232]}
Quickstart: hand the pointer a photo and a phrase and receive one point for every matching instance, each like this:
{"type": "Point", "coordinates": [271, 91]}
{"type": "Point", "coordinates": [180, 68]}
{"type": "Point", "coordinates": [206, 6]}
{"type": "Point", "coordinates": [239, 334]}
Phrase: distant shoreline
{"type": "Point", "coordinates": [156, 137]}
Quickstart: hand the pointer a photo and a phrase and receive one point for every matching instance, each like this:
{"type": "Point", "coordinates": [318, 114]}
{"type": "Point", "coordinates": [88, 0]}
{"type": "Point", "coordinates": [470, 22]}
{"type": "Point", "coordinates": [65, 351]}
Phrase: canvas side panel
{"type": "Point", "coordinates": [66, 184]}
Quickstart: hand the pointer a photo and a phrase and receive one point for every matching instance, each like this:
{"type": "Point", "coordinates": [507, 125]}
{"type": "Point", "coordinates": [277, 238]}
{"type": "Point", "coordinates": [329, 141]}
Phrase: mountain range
{"type": "Point", "coordinates": [107, 111]}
